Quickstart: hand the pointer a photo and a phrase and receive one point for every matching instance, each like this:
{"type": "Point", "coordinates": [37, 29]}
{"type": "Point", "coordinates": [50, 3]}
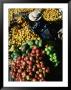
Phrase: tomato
{"type": "Point", "coordinates": [33, 51]}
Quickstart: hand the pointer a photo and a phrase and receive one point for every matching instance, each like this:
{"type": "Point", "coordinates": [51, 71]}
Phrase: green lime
{"type": "Point", "coordinates": [54, 57]}
{"type": "Point", "coordinates": [48, 52]}
{"type": "Point", "coordinates": [50, 55]}
{"type": "Point", "coordinates": [56, 64]}
{"type": "Point", "coordinates": [40, 44]}
{"type": "Point", "coordinates": [30, 43]}
{"type": "Point", "coordinates": [31, 46]}
{"type": "Point", "coordinates": [36, 42]}
{"type": "Point", "coordinates": [50, 48]}
{"type": "Point", "coordinates": [50, 59]}
{"type": "Point", "coordinates": [46, 49]}
{"type": "Point", "coordinates": [54, 54]}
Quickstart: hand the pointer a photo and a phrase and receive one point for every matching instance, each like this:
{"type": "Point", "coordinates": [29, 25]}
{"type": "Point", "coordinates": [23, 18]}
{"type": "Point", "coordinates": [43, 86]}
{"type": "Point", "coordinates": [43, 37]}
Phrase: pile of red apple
{"type": "Point", "coordinates": [30, 67]}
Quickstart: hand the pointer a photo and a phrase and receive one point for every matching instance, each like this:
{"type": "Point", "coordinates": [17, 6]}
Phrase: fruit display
{"type": "Point", "coordinates": [20, 36]}
{"type": "Point", "coordinates": [52, 14]}
{"type": "Point", "coordinates": [30, 67]}
{"type": "Point", "coordinates": [13, 11]}
{"type": "Point", "coordinates": [33, 53]}
{"type": "Point", "coordinates": [52, 55]}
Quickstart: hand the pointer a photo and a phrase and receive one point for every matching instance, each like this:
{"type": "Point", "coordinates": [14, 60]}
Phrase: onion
{"type": "Point", "coordinates": [36, 76]}
{"type": "Point", "coordinates": [37, 58]}
{"type": "Point", "coordinates": [18, 58]}
{"type": "Point", "coordinates": [30, 62]}
{"type": "Point", "coordinates": [41, 79]}
{"type": "Point", "coordinates": [26, 58]}
{"type": "Point", "coordinates": [16, 79]}
{"type": "Point", "coordinates": [37, 51]}
{"type": "Point", "coordinates": [40, 70]}
{"type": "Point", "coordinates": [22, 67]}
{"type": "Point", "coordinates": [37, 72]}
{"type": "Point", "coordinates": [21, 61]}
{"type": "Point", "coordinates": [34, 47]}
{"type": "Point", "coordinates": [27, 61]}
{"type": "Point", "coordinates": [31, 58]}
{"type": "Point", "coordinates": [17, 62]}
{"type": "Point", "coordinates": [32, 54]}
{"type": "Point", "coordinates": [23, 74]}
{"type": "Point", "coordinates": [13, 75]}
{"type": "Point", "coordinates": [40, 58]}
{"type": "Point", "coordinates": [24, 63]}
{"type": "Point", "coordinates": [33, 51]}
{"type": "Point", "coordinates": [37, 61]}
{"type": "Point", "coordinates": [43, 68]}
{"type": "Point", "coordinates": [19, 70]}
{"type": "Point", "coordinates": [34, 79]}
{"type": "Point", "coordinates": [27, 77]}
{"type": "Point", "coordinates": [38, 65]}
{"type": "Point", "coordinates": [13, 64]}
{"type": "Point", "coordinates": [29, 67]}
{"type": "Point", "coordinates": [14, 70]}
{"type": "Point", "coordinates": [33, 69]}
{"type": "Point", "coordinates": [37, 54]}
{"type": "Point", "coordinates": [11, 72]}
{"type": "Point", "coordinates": [41, 64]}
{"type": "Point", "coordinates": [23, 57]}
{"type": "Point", "coordinates": [47, 70]}
{"type": "Point", "coordinates": [30, 73]}
{"type": "Point", "coordinates": [43, 52]}
{"type": "Point", "coordinates": [40, 75]}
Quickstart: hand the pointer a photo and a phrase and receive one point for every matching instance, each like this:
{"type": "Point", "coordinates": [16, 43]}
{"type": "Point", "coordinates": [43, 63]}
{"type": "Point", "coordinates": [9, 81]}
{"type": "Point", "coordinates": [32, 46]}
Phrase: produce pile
{"type": "Point", "coordinates": [52, 14]}
{"type": "Point", "coordinates": [14, 11]}
{"type": "Point", "coordinates": [20, 36]}
{"type": "Point", "coordinates": [30, 67]}
{"type": "Point", "coordinates": [31, 56]}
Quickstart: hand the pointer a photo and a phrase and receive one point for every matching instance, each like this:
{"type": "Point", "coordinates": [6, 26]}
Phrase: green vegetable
{"type": "Point", "coordinates": [37, 42]}
{"type": "Point", "coordinates": [54, 57]}
{"type": "Point", "coordinates": [56, 64]}
{"type": "Point", "coordinates": [50, 59]}
{"type": "Point", "coordinates": [30, 43]}
{"type": "Point", "coordinates": [50, 55]}
{"type": "Point", "coordinates": [23, 54]}
{"type": "Point", "coordinates": [14, 55]}
{"type": "Point", "coordinates": [40, 43]}
{"type": "Point", "coordinates": [31, 47]}
{"type": "Point", "coordinates": [49, 48]}
{"type": "Point", "coordinates": [27, 51]}
{"type": "Point", "coordinates": [46, 49]}
{"type": "Point", "coordinates": [12, 48]}
{"type": "Point", "coordinates": [48, 52]}
{"type": "Point", "coordinates": [54, 54]}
